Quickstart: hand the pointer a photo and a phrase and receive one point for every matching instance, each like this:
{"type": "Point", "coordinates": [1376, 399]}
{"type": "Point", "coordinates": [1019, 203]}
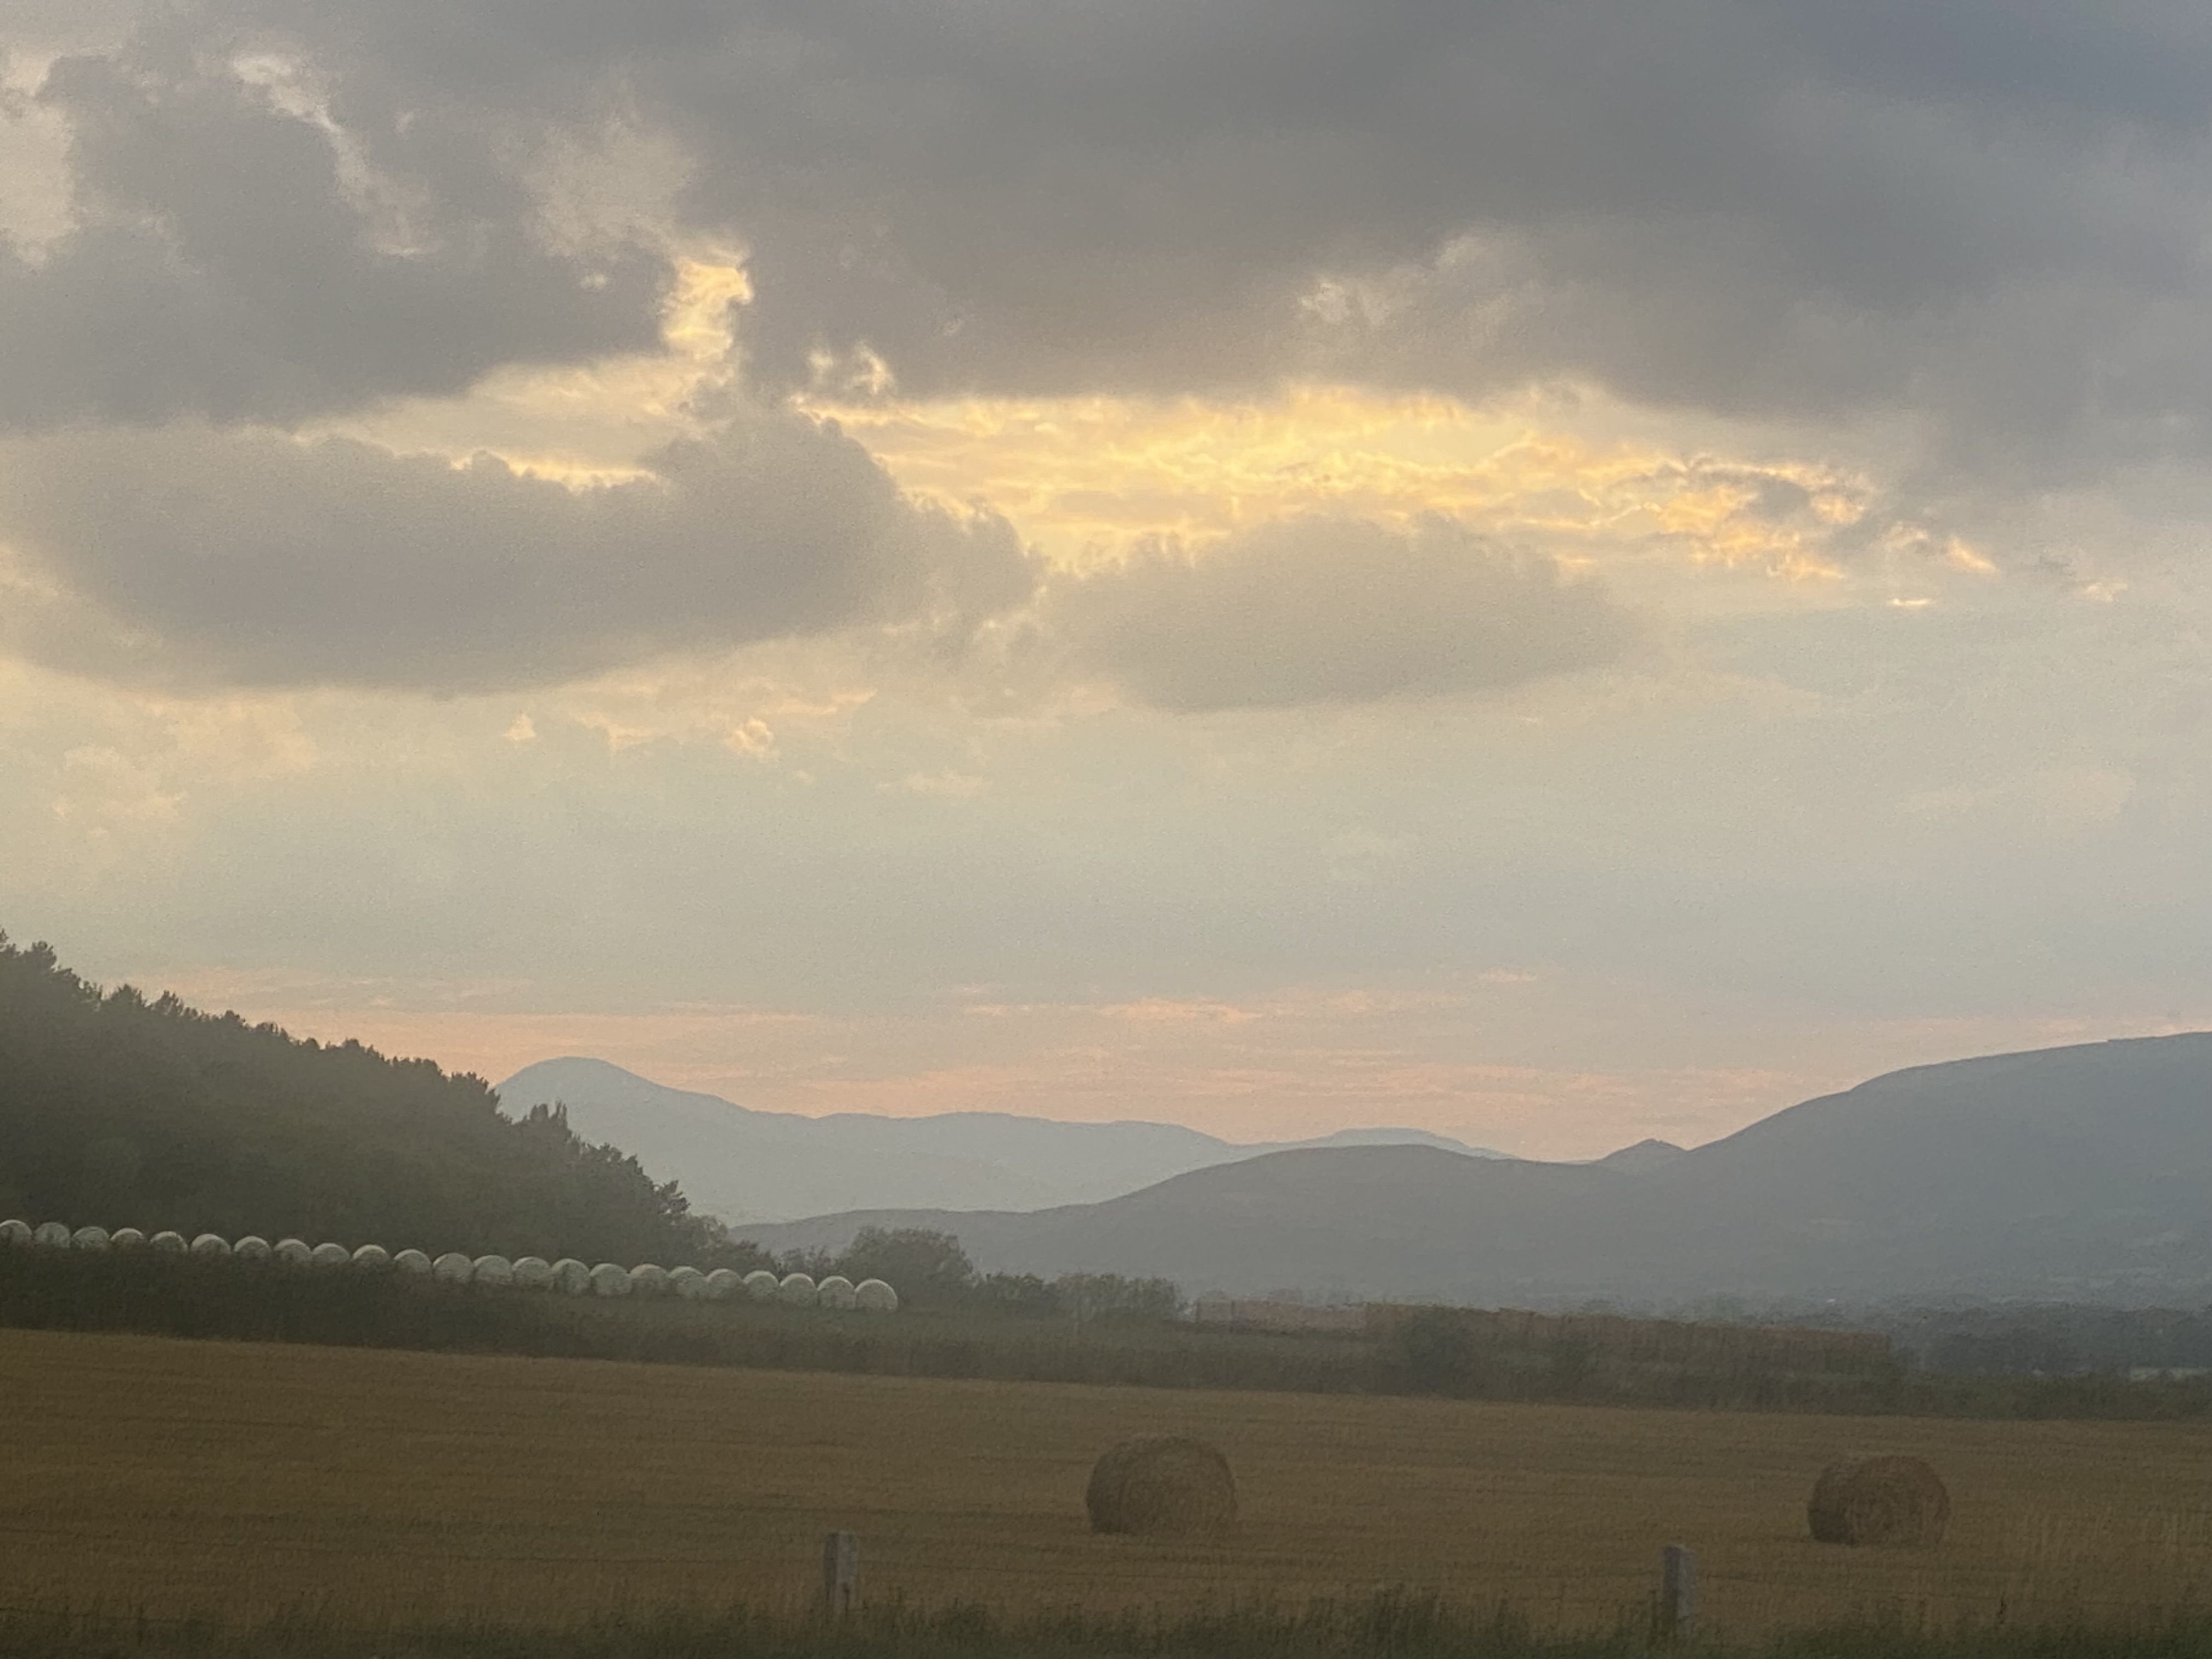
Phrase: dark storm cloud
{"type": "Point", "coordinates": [1982, 212]}
{"type": "Point", "coordinates": [185, 556]}
{"type": "Point", "coordinates": [225, 264]}
{"type": "Point", "coordinates": [1326, 610]}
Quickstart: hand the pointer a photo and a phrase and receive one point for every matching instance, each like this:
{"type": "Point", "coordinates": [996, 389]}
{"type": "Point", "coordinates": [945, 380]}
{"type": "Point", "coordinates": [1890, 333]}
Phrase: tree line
{"type": "Point", "coordinates": [124, 1111]}
{"type": "Point", "coordinates": [932, 1271]}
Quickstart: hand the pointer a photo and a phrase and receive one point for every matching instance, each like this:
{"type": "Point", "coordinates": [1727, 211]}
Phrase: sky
{"type": "Point", "coordinates": [1554, 573]}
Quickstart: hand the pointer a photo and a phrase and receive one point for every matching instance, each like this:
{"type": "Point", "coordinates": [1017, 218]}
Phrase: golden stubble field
{"type": "Point", "coordinates": [235, 1480]}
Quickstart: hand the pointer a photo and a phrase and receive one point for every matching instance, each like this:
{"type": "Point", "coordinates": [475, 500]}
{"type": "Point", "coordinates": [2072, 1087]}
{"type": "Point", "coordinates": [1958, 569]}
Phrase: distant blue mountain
{"type": "Point", "coordinates": [746, 1165]}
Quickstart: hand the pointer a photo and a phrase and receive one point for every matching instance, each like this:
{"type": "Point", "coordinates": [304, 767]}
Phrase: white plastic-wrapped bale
{"type": "Point", "coordinates": [873, 1296]}
{"type": "Point", "coordinates": [797, 1291]}
{"type": "Point", "coordinates": [52, 1235]}
{"type": "Point", "coordinates": [210, 1244]}
{"type": "Point", "coordinates": [724, 1282]}
{"type": "Point", "coordinates": [689, 1283]}
{"type": "Point", "coordinates": [89, 1238]}
{"type": "Point", "coordinates": [411, 1261]}
{"type": "Point", "coordinates": [372, 1258]}
{"type": "Point", "coordinates": [252, 1248]}
{"type": "Point", "coordinates": [533, 1272]}
{"type": "Point", "coordinates": [329, 1256]}
{"type": "Point", "coordinates": [127, 1238]}
{"type": "Point", "coordinates": [761, 1286]}
{"type": "Point", "coordinates": [294, 1252]}
{"type": "Point", "coordinates": [494, 1270]}
{"type": "Point", "coordinates": [453, 1267]}
{"type": "Point", "coordinates": [648, 1280]}
{"type": "Point", "coordinates": [835, 1292]}
{"type": "Point", "coordinates": [610, 1279]}
{"type": "Point", "coordinates": [571, 1277]}
{"type": "Point", "coordinates": [168, 1243]}
{"type": "Point", "coordinates": [15, 1232]}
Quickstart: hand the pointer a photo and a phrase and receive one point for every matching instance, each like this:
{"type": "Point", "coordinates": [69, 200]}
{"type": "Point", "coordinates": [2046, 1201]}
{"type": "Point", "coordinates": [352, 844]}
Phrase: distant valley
{"type": "Point", "coordinates": [749, 1166]}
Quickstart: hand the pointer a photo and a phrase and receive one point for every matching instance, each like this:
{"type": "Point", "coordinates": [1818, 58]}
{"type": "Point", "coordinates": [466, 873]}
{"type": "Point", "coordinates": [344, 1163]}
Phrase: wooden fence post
{"type": "Point", "coordinates": [840, 1573]}
{"type": "Point", "coordinates": [1678, 1593]}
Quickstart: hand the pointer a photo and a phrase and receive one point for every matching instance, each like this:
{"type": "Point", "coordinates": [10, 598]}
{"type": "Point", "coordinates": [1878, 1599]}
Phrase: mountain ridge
{"type": "Point", "coordinates": [2078, 1173]}
{"type": "Point", "coordinates": [748, 1166]}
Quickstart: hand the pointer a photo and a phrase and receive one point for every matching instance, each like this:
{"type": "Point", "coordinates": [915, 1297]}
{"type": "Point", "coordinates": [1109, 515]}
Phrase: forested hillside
{"type": "Point", "coordinates": [121, 1111]}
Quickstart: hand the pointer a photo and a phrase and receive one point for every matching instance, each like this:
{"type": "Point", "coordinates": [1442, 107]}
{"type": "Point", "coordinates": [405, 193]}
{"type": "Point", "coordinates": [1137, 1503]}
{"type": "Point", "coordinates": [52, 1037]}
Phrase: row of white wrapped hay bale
{"type": "Point", "coordinates": [792, 1290]}
{"type": "Point", "coordinates": [529, 1272]}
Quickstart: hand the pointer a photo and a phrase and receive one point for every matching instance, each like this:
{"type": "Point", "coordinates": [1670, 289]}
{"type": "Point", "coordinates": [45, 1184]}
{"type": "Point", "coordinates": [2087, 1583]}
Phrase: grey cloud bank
{"type": "Point", "coordinates": [1319, 611]}
{"type": "Point", "coordinates": [244, 252]}
{"type": "Point", "coordinates": [1976, 215]}
{"type": "Point", "coordinates": [185, 556]}
{"type": "Point", "coordinates": [1979, 214]}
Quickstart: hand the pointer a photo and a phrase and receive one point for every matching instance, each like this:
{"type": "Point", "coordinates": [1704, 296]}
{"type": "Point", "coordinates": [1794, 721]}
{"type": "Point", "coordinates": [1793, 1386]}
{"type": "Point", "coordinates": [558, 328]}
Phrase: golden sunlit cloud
{"type": "Point", "coordinates": [1084, 477]}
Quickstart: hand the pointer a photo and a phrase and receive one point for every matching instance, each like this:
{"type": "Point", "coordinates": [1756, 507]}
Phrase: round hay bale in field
{"type": "Point", "coordinates": [15, 1232]}
{"type": "Point", "coordinates": [723, 1283]}
{"type": "Point", "coordinates": [494, 1270]}
{"type": "Point", "coordinates": [1161, 1484]}
{"type": "Point", "coordinates": [89, 1238]}
{"type": "Point", "coordinates": [836, 1291]}
{"type": "Point", "coordinates": [797, 1291]}
{"type": "Point", "coordinates": [689, 1283]}
{"type": "Point", "coordinates": [453, 1267]}
{"type": "Point", "coordinates": [52, 1235]}
{"type": "Point", "coordinates": [571, 1277]}
{"type": "Point", "coordinates": [252, 1248]}
{"type": "Point", "coordinates": [210, 1244]}
{"type": "Point", "coordinates": [1897, 1501]}
{"type": "Point", "coordinates": [533, 1272]}
{"type": "Point", "coordinates": [372, 1258]}
{"type": "Point", "coordinates": [649, 1278]}
{"type": "Point", "coordinates": [168, 1242]}
{"type": "Point", "coordinates": [873, 1296]}
{"type": "Point", "coordinates": [294, 1252]}
{"type": "Point", "coordinates": [609, 1278]}
{"type": "Point", "coordinates": [329, 1256]}
{"type": "Point", "coordinates": [411, 1261]}
{"type": "Point", "coordinates": [761, 1286]}
{"type": "Point", "coordinates": [127, 1238]}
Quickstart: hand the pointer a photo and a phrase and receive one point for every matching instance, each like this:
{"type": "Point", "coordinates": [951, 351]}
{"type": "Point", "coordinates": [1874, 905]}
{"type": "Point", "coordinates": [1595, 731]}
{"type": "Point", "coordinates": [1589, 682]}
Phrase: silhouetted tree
{"type": "Point", "coordinates": [929, 1269]}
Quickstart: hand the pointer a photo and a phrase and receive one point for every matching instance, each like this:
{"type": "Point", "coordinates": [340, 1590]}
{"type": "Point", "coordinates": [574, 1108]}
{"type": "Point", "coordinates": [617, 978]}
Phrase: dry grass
{"type": "Point", "coordinates": [172, 1477]}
